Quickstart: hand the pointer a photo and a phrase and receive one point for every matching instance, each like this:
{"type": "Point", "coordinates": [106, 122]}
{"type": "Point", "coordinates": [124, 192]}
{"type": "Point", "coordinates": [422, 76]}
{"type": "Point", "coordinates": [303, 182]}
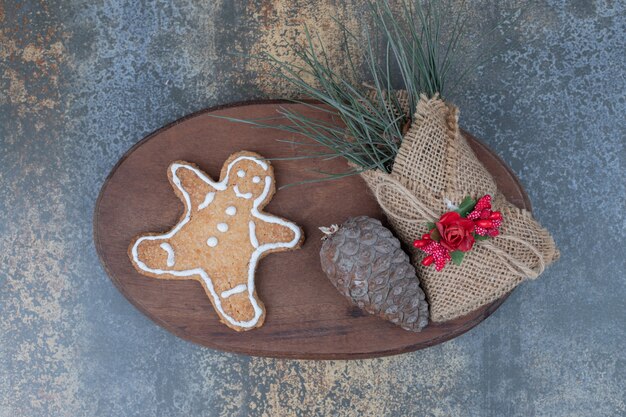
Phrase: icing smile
{"type": "Point", "coordinates": [242, 193]}
{"type": "Point", "coordinates": [238, 193]}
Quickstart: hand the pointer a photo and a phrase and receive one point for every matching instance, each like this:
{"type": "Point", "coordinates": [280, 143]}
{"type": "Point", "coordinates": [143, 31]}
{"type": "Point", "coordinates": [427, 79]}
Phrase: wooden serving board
{"type": "Point", "coordinates": [306, 316]}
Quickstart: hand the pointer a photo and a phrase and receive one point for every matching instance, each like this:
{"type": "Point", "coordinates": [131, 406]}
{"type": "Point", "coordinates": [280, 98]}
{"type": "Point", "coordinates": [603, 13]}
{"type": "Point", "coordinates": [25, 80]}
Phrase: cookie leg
{"type": "Point", "coordinates": [243, 307]}
{"type": "Point", "coordinates": [237, 306]}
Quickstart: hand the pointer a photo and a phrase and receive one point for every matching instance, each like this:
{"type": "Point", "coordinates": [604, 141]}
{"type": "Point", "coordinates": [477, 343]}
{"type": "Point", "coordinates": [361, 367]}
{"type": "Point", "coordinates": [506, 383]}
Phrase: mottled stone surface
{"type": "Point", "coordinates": [82, 81]}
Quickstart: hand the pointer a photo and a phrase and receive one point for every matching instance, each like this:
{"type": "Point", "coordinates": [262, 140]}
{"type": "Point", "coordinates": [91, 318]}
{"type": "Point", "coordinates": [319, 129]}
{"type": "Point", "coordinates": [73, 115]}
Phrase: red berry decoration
{"type": "Point", "coordinates": [455, 233]}
{"type": "Point", "coordinates": [420, 243]}
{"type": "Point", "coordinates": [487, 222]}
{"type": "Point", "coordinates": [495, 215]}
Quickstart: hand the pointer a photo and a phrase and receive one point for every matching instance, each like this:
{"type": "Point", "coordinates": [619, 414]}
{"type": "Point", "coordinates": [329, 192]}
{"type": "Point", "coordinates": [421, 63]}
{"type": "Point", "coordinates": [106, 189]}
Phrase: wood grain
{"type": "Point", "coordinates": [306, 316]}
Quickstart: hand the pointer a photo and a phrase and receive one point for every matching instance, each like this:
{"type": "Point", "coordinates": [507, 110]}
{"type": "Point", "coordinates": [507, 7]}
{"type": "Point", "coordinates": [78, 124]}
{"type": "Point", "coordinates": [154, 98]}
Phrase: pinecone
{"type": "Point", "coordinates": [365, 262]}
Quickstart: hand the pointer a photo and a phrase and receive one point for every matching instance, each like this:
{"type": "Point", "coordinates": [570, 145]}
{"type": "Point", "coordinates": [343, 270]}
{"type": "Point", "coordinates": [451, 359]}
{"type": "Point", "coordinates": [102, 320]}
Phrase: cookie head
{"type": "Point", "coordinates": [249, 177]}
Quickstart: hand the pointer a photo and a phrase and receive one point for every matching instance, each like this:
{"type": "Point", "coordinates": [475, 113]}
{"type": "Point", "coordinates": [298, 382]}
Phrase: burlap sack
{"type": "Point", "coordinates": [435, 169]}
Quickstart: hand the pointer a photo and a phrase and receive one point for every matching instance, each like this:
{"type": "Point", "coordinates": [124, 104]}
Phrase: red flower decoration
{"type": "Point", "coordinates": [487, 222]}
{"type": "Point", "coordinates": [456, 232]}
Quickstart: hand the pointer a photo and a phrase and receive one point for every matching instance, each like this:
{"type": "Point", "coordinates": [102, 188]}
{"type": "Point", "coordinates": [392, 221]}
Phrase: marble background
{"type": "Point", "coordinates": [82, 81]}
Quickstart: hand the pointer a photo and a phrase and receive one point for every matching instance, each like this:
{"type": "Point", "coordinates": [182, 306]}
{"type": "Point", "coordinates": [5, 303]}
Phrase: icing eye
{"type": "Point", "coordinates": [241, 173]}
{"type": "Point", "coordinates": [212, 241]}
{"type": "Point", "coordinates": [231, 211]}
{"type": "Point", "coordinates": [256, 180]}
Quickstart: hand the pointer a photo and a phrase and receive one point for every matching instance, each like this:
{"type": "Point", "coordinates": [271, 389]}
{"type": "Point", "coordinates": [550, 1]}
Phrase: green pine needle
{"type": "Point", "coordinates": [406, 52]}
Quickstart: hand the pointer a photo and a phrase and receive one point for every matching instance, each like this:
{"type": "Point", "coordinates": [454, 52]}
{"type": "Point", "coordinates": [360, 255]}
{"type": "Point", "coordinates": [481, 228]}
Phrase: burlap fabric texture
{"type": "Point", "coordinates": [435, 169]}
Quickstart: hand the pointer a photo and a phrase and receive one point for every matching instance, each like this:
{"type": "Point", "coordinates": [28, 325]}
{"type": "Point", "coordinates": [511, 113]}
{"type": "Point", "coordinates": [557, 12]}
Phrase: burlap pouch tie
{"type": "Point", "coordinates": [435, 169]}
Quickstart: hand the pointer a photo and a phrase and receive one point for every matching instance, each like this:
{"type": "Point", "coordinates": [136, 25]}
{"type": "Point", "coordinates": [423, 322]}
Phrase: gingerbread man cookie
{"type": "Point", "coordinates": [221, 236]}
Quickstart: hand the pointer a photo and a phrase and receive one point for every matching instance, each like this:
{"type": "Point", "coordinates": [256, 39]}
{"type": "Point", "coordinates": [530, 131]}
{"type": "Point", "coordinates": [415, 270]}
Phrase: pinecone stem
{"type": "Point", "coordinates": [329, 231]}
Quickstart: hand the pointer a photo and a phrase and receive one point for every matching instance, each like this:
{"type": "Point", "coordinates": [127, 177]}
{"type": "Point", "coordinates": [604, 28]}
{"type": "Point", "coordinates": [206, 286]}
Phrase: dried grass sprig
{"type": "Point", "coordinates": [410, 54]}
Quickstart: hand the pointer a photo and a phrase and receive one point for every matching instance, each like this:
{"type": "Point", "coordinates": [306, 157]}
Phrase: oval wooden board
{"type": "Point", "coordinates": [306, 317]}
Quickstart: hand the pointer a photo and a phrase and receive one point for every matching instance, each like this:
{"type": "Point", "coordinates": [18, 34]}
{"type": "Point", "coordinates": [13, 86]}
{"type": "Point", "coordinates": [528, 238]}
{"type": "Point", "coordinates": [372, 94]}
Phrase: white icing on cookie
{"type": "Point", "coordinates": [238, 193]}
{"type": "Point", "coordinates": [212, 241]}
{"type": "Point", "coordinates": [231, 211]}
{"type": "Point", "coordinates": [256, 179]}
{"type": "Point", "coordinates": [222, 227]}
{"type": "Point", "coordinates": [254, 258]}
{"type": "Point", "coordinates": [241, 173]}
{"type": "Point", "coordinates": [235, 290]}
{"type": "Point", "coordinates": [253, 239]}
{"type": "Point", "coordinates": [170, 253]}
{"type": "Point", "coordinates": [207, 200]}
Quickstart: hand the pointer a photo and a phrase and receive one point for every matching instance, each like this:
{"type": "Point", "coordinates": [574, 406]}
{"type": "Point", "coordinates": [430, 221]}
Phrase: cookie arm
{"type": "Point", "coordinates": [274, 230]}
{"type": "Point", "coordinates": [192, 185]}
